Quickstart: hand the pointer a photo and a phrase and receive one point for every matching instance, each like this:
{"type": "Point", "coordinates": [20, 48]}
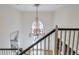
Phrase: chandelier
{"type": "Point", "coordinates": [37, 26]}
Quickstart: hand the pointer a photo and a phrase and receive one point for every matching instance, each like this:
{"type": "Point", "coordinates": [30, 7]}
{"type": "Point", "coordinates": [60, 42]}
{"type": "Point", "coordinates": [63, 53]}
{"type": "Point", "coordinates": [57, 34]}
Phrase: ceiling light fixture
{"type": "Point", "coordinates": [37, 26]}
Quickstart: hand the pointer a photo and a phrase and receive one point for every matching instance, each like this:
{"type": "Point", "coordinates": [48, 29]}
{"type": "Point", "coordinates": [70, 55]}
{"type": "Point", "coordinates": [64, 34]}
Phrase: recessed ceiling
{"type": "Point", "coordinates": [31, 7]}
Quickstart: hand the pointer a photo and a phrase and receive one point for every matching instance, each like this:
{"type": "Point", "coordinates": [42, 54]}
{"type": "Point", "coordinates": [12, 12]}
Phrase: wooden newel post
{"type": "Point", "coordinates": [56, 38]}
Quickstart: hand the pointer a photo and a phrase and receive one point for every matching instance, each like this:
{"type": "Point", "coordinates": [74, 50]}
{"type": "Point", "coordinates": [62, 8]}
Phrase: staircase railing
{"type": "Point", "coordinates": [43, 46]}
{"type": "Point", "coordinates": [50, 45]}
{"type": "Point", "coordinates": [70, 39]}
{"type": "Point", "coordinates": [8, 51]}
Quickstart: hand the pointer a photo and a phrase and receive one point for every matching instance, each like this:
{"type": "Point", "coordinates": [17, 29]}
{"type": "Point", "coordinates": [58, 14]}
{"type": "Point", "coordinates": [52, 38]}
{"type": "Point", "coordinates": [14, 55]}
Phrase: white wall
{"type": "Point", "coordinates": [26, 22]}
{"type": "Point", "coordinates": [9, 22]}
{"type": "Point", "coordinates": [12, 20]}
{"type": "Point", "coordinates": [67, 16]}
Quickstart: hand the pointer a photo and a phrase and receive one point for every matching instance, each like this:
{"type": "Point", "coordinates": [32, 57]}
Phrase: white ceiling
{"type": "Point", "coordinates": [31, 7]}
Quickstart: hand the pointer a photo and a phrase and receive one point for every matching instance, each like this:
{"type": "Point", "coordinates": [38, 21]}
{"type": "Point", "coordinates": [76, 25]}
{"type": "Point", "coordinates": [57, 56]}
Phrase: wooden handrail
{"type": "Point", "coordinates": [68, 28]}
{"type": "Point", "coordinates": [8, 49]}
